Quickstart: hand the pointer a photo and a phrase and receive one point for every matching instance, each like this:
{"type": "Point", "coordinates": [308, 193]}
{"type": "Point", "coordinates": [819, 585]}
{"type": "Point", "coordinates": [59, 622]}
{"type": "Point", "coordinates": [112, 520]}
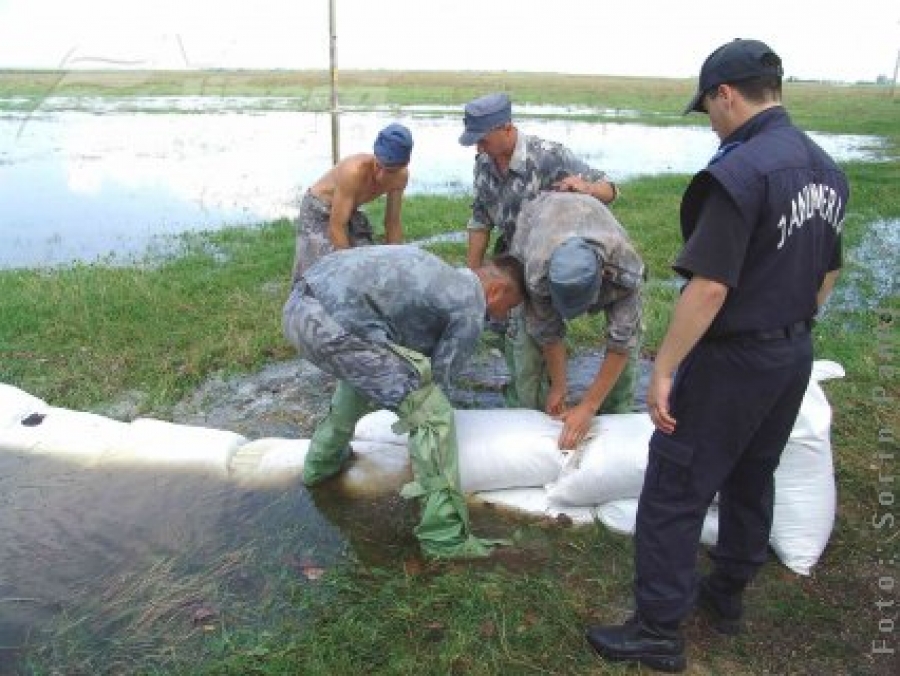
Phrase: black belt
{"type": "Point", "coordinates": [785, 332]}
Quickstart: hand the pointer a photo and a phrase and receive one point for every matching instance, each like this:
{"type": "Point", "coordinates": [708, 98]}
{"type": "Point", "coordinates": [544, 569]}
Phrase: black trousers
{"type": "Point", "coordinates": [735, 403]}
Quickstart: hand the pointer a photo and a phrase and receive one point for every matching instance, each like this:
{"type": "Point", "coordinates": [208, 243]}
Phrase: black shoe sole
{"type": "Point", "coordinates": [670, 664]}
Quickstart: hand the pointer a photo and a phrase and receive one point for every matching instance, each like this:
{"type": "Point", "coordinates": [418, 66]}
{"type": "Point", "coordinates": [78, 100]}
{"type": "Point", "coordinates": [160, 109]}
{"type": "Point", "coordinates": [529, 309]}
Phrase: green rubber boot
{"type": "Point", "coordinates": [329, 448]}
{"type": "Point", "coordinates": [444, 530]}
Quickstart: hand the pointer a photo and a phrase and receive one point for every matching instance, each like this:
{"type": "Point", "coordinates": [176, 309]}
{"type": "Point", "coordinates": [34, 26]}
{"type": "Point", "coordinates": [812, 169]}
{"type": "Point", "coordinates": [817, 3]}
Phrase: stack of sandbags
{"type": "Point", "coordinates": [510, 457]}
{"type": "Point", "coordinates": [609, 477]}
{"type": "Point", "coordinates": [506, 456]}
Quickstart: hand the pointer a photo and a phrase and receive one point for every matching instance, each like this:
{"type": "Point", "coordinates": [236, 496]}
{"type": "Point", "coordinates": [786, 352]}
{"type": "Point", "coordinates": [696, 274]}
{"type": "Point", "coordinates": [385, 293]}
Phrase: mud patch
{"type": "Point", "coordinates": [287, 399]}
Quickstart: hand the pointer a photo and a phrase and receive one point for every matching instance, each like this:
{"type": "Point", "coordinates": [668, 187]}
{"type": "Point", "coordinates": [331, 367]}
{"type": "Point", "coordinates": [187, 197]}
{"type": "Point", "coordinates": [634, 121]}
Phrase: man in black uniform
{"type": "Point", "coordinates": [762, 230]}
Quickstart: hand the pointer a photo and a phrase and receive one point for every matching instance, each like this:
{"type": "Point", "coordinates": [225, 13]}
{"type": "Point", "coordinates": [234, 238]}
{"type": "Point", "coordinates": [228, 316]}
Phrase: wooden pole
{"type": "Point", "coordinates": [335, 122]}
{"type": "Point", "coordinates": [896, 70]}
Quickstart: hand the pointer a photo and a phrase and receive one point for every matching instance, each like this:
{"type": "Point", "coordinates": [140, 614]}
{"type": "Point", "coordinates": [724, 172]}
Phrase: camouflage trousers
{"type": "Point", "coordinates": [312, 225]}
{"type": "Point", "coordinates": [398, 379]}
{"type": "Point", "coordinates": [374, 370]}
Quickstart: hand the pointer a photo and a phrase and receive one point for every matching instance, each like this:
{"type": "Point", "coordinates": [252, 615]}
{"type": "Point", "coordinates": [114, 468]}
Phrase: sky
{"type": "Point", "coordinates": [824, 40]}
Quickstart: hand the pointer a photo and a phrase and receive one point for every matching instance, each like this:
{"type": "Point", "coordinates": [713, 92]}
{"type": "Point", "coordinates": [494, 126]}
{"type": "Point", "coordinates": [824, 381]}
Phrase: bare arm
{"type": "Point", "coordinates": [342, 206]}
{"type": "Point", "coordinates": [393, 228]}
{"type": "Point", "coordinates": [695, 310]}
{"type": "Point", "coordinates": [578, 419]}
{"type": "Point", "coordinates": [827, 285]}
{"type": "Point", "coordinates": [478, 243]}
{"type": "Point", "coordinates": [607, 376]}
{"type": "Point", "coordinates": [602, 190]}
{"type": "Point", "coordinates": [555, 359]}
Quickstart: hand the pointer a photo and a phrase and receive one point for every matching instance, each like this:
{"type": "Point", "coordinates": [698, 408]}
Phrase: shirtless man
{"type": "Point", "coordinates": [330, 218]}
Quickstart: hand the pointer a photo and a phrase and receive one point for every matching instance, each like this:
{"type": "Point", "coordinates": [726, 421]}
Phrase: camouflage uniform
{"type": "Point", "coordinates": [348, 310]}
{"type": "Point", "coordinates": [393, 323]}
{"type": "Point", "coordinates": [312, 226]}
{"type": "Point", "coordinates": [544, 224]}
{"type": "Point", "coordinates": [535, 166]}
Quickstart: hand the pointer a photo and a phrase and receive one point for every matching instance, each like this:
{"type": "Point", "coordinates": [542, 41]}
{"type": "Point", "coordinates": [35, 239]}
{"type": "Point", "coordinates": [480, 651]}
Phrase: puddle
{"type": "Point", "coordinates": [106, 182]}
{"type": "Point", "coordinates": [870, 268]}
{"type": "Point", "coordinates": [105, 569]}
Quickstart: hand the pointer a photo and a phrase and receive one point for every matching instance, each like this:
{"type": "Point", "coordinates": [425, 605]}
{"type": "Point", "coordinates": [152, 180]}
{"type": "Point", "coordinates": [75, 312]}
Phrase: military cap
{"type": "Point", "coordinates": [574, 277]}
{"type": "Point", "coordinates": [483, 115]}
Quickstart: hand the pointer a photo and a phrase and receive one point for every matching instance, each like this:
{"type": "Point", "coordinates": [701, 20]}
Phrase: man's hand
{"type": "Point", "coordinates": [556, 400]}
{"type": "Point", "coordinates": [658, 392]}
{"type": "Point", "coordinates": [576, 425]}
{"type": "Point", "coordinates": [572, 184]}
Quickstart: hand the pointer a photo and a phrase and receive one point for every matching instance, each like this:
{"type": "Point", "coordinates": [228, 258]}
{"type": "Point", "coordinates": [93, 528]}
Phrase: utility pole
{"type": "Point", "coordinates": [335, 123]}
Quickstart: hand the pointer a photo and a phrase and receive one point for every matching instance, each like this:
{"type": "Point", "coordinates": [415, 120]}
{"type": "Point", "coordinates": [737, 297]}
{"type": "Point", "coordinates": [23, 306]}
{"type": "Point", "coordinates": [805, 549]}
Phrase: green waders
{"type": "Point", "coordinates": [444, 530]}
{"type": "Point", "coordinates": [329, 448]}
{"type": "Point", "coordinates": [530, 381]}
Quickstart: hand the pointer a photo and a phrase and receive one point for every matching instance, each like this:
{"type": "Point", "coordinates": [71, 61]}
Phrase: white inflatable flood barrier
{"type": "Point", "coordinates": [506, 456]}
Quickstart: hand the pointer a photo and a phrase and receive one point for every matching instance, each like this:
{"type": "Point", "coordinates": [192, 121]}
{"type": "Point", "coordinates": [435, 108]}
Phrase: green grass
{"type": "Point", "coordinates": [867, 108]}
{"type": "Point", "coordinates": [83, 336]}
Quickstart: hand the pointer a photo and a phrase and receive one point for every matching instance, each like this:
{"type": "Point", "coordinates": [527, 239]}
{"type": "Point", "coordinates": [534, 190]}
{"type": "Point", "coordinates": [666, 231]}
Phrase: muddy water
{"type": "Point", "coordinates": [102, 569]}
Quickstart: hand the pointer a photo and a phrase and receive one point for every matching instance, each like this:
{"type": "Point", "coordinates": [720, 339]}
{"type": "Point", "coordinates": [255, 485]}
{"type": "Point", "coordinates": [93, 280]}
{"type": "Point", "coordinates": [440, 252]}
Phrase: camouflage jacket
{"type": "Point", "coordinates": [535, 166]}
{"type": "Point", "coordinates": [547, 222]}
{"type": "Point", "coordinates": [404, 295]}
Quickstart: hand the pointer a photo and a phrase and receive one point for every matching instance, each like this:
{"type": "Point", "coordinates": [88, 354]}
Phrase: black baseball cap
{"type": "Point", "coordinates": [732, 62]}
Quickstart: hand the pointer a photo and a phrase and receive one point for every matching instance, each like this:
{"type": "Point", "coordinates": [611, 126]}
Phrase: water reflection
{"type": "Point", "coordinates": [107, 567]}
{"type": "Point", "coordinates": [77, 185]}
{"type": "Point", "coordinates": [106, 563]}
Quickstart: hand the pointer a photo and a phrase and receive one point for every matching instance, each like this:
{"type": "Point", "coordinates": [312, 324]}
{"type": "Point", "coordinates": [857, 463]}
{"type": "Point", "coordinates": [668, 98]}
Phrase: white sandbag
{"type": "Point", "coordinates": [75, 435]}
{"type": "Point", "coordinates": [16, 405]}
{"type": "Point", "coordinates": [805, 493]}
{"type": "Point", "coordinates": [612, 463]}
{"type": "Point", "coordinates": [157, 442]}
{"type": "Point", "coordinates": [375, 469]}
{"type": "Point", "coordinates": [534, 501]}
{"type": "Point", "coordinates": [498, 448]}
{"type": "Point", "coordinates": [620, 516]}
{"type": "Point", "coordinates": [507, 448]}
{"type": "Point", "coordinates": [268, 461]}
{"type": "Point", "coordinates": [376, 426]}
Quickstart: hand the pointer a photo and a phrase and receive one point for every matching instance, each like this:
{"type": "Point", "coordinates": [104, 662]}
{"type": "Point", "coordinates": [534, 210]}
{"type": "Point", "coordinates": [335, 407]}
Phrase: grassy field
{"type": "Point", "coordinates": [85, 335]}
{"type": "Point", "coordinates": [868, 109]}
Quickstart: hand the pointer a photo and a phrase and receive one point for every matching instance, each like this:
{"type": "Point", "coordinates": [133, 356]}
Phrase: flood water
{"type": "Point", "coordinates": [112, 178]}
{"type": "Point", "coordinates": [107, 569]}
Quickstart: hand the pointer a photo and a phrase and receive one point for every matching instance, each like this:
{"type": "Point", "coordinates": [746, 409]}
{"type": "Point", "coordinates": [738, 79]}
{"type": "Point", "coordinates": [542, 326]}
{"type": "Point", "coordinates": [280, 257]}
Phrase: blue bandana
{"type": "Point", "coordinates": [394, 145]}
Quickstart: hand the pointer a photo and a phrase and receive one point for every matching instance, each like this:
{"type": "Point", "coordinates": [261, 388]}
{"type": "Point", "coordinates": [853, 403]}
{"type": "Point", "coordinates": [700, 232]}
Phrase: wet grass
{"type": "Point", "coordinates": [82, 336]}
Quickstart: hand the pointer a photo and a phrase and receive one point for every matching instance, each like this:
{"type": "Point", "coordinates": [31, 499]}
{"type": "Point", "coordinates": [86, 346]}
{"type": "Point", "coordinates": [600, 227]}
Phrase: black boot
{"type": "Point", "coordinates": [721, 598]}
{"type": "Point", "coordinates": [638, 640]}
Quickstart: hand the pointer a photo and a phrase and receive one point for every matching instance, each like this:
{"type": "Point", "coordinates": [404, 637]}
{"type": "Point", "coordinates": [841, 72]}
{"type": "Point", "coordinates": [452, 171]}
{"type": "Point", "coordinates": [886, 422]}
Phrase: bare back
{"type": "Point", "coordinates": [357, 180]}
